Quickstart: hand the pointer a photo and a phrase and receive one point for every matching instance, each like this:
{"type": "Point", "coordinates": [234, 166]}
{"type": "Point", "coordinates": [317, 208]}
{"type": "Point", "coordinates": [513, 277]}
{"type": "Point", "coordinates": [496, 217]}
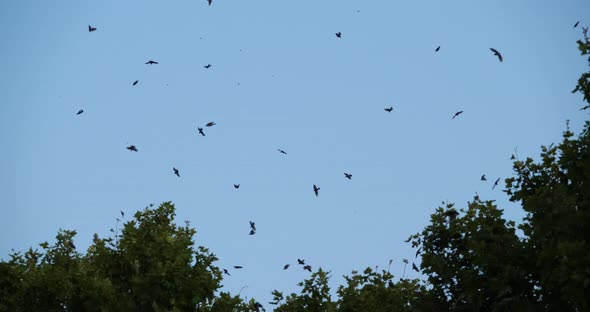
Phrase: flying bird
{"type": "Point", "coordinates": [209, 1]}
{"type": "Point", "coordinates": [497, 54]}
{"type": "Point", "coordinates": [238, 266]}
{"type": "Point", "coordinates": [483, 178]}
{"type": "Point", "coordinates": [418, 251]}
{"type": "Point", "coordinates": [201, 131]}
{"type": "Point", "coordinates": [286, 266]}
{"type": "Point", "coordinates": [80, 112]}
{"type": "Point", "coordinates": [307, 267]}
{"type": "Point", "coordinates": [91, 29]}
{"type": "Point", "coordinates": [512, 157]}
{"type": "Point", "coordinates": [585, 107]}
{"type": "Point", "coordinates": [339, 34]}
{"type": "Point", "coordinates": [437, 49]}
{"type": "Point", "coordinates": [280, 150]}
{"type": "Point", "coordinates": [122, 214]}
{"type": "Point", "coordinates": [236, 186]}
{"type": "Point", "coordinates": [414, 267]}
{"type": "Point", "coordinates": [316, 190]}
{"type": "Point", "coordinates": [252, 225]}
{"type": "Point", "coordinates": [135, 82]}
{"type": "Point", "coordinates": [132, 148]}
{"type": "Point", "coordinates": [71, 244]}
{"type": "Point", "coordinates": [210, 124]}
{"type": "Point", "coordinates": [150, 62]}
{"type": "Point", "coordinates": [176, 172]}
{"type": "Point", "coordinates": [207, 66]}
{"type": "Point", "coordinates": [252, 231]}
{"type": "Point", "coordinates": [300, 261]}
{"type": "Point", "coordinates": [575, 25]}
{"type": "Point", "coordinates": [389, 109]}
{"type": "Point", "coordinates": [348, 175]}
{"type": "Point", "coordinates": [496, 183]}
{"type": "Point", "coordinates": [226, 272]}
{"type": "Point", "coordinates": [457, 114]}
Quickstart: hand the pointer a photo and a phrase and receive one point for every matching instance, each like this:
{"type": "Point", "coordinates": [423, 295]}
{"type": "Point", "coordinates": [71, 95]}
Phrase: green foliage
{"type": "Point", "coordinates": [314, 297]}
{"type": "Point", "coordinates": [584, 81]}
{"type": "Point", "coordinates": [151, 266]}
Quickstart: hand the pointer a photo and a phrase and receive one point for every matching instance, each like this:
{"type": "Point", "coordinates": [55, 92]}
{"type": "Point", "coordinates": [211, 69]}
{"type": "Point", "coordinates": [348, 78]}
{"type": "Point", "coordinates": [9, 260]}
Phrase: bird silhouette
{"type": "Point", "coordinates": [300, 261]}
{"type": "Point", "coordinates": [176, 172]}
{"type": "Point", "coordinates": [253, 225]}
{"type": "Point", "coordinates": [71, 244]}
{"type": "Point", "coordinates": [307, 267]}
{"type": "Point", "coordinates": [122, 214]}
{"type": "Point", "coordinates": [132, 148]}
{"type": "Point", "coordinates": [575, 25]}
{"type": "Point", "coordinates": [209, 1]}
{"type": "Point", "coordinates": [226, 272]}
{"type": "Point", "coordinates": [238, 266]}
{"type": "Point", "coordinates": [91, 29]}
{"type": "Point", "coordinates": [497, 54]}
{"type": "Point", "coordinates": [414, 267]}
{"type": "Point", "coordinates": [135, 82]}
{"type": "Point", "coordinates": [316, 190]}
{"type": "Point", "coordinates": [437, 49]}
{"type": "Point", "coordinates": [389, 109]}
{"type": "Point", "coordinates": [236, 186]}
{"type": "Point", "coordinates": [286, 266]}
{"type": "Point", "coordinates": [348, 176]}
{"type": "Point", "coordinates": [282, 152]}
{"type": "Point", "coordinates": [585, 107]}
{"type": "Point", "coordinates": [210, 124]}
{"type": "Point", "coordinates": [483, 178]}
{"type": "Point", "coordinates": [457, 114]}
{"type": "Point", "coordinates": [339, 34]}
{"type": "Point", "coordinates": [80, 112]}
{"type": "Point", "coordinates": [207, 66]}
{"type": "Point", "coordinates": [512, 157]}
{"type": "Point", "coordinates": [418, 252]}
{"type": "Point", "coordinates": [496, 183]}
{"type": "Point", "coordinates": [252, 231]}
{"type": "Point", "coordinates": [201, 131]}
{"type": "Point", "coordinates": [150, 62]}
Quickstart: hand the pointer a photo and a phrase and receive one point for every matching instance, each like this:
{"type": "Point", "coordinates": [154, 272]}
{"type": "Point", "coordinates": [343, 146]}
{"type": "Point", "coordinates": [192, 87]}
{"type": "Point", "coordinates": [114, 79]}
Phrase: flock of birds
{"type": "Point", "coordinates": [316, 189]}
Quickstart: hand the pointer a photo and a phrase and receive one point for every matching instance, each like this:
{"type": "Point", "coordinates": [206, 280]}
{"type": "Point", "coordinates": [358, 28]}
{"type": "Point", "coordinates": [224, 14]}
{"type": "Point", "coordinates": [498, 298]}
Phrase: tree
{"type": "Point", "coordinates": [151, 266]}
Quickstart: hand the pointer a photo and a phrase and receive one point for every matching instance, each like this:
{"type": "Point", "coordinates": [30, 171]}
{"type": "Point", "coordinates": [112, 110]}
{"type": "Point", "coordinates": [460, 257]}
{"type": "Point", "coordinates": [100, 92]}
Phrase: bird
{"type": "Point", "coordinates": [132, 148]}
{"type": "Point", "coordinates": [176, 172]}
{"type": "Point", "coordinates": [238, 266]}
{"type": "Point", "coordinates": [576, 24]}
{"type": "Point", "coordinates": [80, 112]}
{"type": "Point", "coordinates": [418, 251]}
{"type": "Point", "coordinates": [497, 53]}
{"type": "Point", "coordinates": [210, 124]}
{"type": "Point", "coordinates": [512, 157]}
{"type": "Point", "coordinates": [282, 152]}
{"type": "Point", "coordinates": [207, 66]}
{"type": "Point", "coordinates": [236, 186]}
{"type": "Point", "coordinates": [348, 175]}
{"type": "Point", "coordinates": [307, 267]}
{"type": "Point", "coordinates": [389, 109]}
{"type": "Point", "coordinates": [585, 107]}
{"type": "Point", "coordinates": [210, 1]}
{"type": "Point", "coordinates": [122, 214]}
{"type": "Point", "coordinates": [135, 82]}
{"type": "Point", "coordinates": [71, 244]}
{"type": "Point", "coordinates": [286, 266]}
{"type": "Point", "coordinates": [457, 114]}
{"type": "Point", "coordinates": [339, 34]}
{"type": "Point", "coordinates": [452, 214]}
{"type": "Point", "coordinates": [483, 178]}
{"type": "Point", "coordinates": [300, 261]}
{"type": "Point", "coordinates": [414, 267]}
{"type": "Point", "coordinates": [496, 183]}
{"type": "Point", "coordinates": [226, 272]}
{"type": "Point", "coordinates": [437, 49]}
{"type": "Point", "coordinates": [91, 29]}
{"type": "Point", "coordinates": [252, 231]}
{"type": "Point", "coordinates": [253, 225]}
{"type": "Point", "coordinates": [201, 131]}
{"type": "Point", "coordinates": [316, 190]}
{"type": "Point", "coordinates": [150, 62]}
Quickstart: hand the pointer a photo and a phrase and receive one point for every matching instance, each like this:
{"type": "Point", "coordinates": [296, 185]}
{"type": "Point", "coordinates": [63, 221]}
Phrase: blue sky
{"type": "Point", "coordinates": [279, 79]}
